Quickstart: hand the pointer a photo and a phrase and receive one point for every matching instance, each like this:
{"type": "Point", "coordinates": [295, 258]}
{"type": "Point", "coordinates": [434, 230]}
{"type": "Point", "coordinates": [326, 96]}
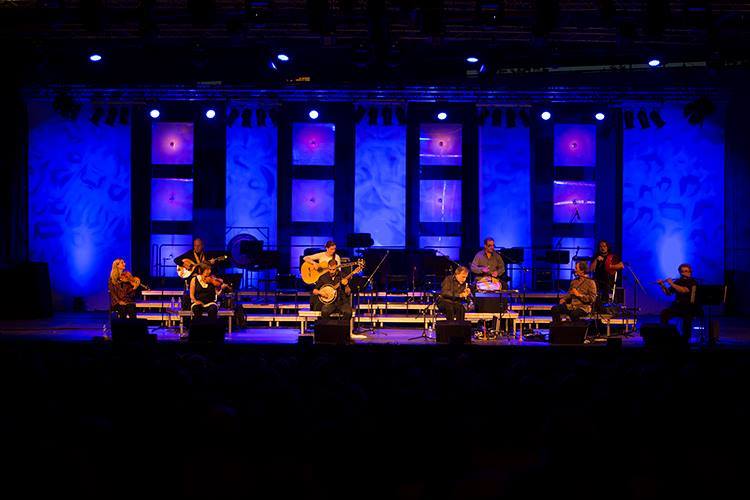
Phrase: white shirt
{"type": "Point", "coordinates": [323, 258]}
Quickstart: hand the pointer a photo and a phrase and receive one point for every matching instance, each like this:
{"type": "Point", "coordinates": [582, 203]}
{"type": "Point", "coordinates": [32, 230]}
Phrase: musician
{"type": "Point", "coordinates": [341, 303]}
{"type": "Point", "coordinates": [121, 291]}
{"type": "Point", "coordinates": [321, 259]}
{"type": "Point", "coordinates": [192, 257]}
{"type": "Point", "coordinates": [487, 262]}
{"type": "Point", "coordinates": [684, 305]}
{"type": "Point", "coordinates": [580, 297]}
{"type": "Point", "coordinates": [203, 293]}
{"type": "Point", "coordinates": [605, 278]}
{"type": "Point", "coordinates": [454, 290]}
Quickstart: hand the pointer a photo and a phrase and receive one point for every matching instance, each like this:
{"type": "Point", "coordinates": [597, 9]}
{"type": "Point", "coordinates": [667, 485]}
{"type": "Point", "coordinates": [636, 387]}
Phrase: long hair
{"type": "Point", "coordinates": [114, 274]}
{"type": "Point", "coordinates": [609, 247]}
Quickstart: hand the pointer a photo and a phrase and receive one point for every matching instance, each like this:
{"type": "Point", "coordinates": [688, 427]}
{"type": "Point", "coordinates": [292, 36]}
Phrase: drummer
{"type": "Point", "coordinates": [488, 267]}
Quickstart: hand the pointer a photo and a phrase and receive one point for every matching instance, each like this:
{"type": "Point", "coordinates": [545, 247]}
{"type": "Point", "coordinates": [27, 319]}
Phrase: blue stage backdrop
{"type": "Point", "coordinates": [380, 184]}
{"type": "Point", "coordinates": [79, 201]}
{"type": "Point", "coordinates": [505, 186]}
{"type": "Point", "coordinates": [673, 200]}
{"type": "Point", "coordinates": [252, 185]}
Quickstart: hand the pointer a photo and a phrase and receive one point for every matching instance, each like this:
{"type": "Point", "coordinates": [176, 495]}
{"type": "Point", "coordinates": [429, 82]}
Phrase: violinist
{"type": "Point", "coordinates": [122, 287]}
{"type": "Point", "coordinates": [203, 292]}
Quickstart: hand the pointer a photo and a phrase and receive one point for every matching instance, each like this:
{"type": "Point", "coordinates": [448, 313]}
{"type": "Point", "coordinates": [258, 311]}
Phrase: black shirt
{"type": "Point", "coordinates": [683, 298]}
{"type": "Point", "coordinates": [452, 289]}
{"type": "Point", "coordinates": [190, 255]}
{"type": "Point", "coordinates": [600, 273]}
{"type": "Point", "coordinates": [326, 279]}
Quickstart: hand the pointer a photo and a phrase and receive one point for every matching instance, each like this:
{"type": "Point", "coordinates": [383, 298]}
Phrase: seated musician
{"type": "Point", "coordinates": [488, 265]}
{"type": "Point", "coordinates": [341, 303]}
{"type": "Point", "coordinates": [121, 290]}
{"type": "Point", "coordinates": [203, 293]}
{"type": "Point", "coordinates": [604, 267]}
{"type": "Point", "coordinates": [580, 297]}
{"type": "Point", "coordinates": [454, 290]}
{"type": "Point", "coordinates": [192, 257]}
{"type": "Point", "coordinates": [321, 259]}
{"type": "Point", "coordinates": [684, 305]}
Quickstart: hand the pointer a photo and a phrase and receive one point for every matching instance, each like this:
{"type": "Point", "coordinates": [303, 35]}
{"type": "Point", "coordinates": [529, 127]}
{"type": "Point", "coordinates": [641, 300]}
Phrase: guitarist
{"type": "Point", "coordinates": [321, 259]}
{"type": "Point", "coordinates": [604, 267]}
{"type": "Point", "coordinates": [341, 304]}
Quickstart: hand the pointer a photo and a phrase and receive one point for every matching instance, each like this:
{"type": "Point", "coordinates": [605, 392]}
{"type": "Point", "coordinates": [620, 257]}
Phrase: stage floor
{"type": "Point", "coordinates": [84, 327]}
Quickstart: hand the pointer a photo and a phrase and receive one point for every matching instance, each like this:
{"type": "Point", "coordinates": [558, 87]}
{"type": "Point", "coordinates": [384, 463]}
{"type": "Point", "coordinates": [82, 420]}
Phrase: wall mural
{"type": "Point", "coordinates": [673, 200]}
{"type": "Point", "coordinates": [380, 184]}
{"type": "Point", "coordinates": [79, 202]}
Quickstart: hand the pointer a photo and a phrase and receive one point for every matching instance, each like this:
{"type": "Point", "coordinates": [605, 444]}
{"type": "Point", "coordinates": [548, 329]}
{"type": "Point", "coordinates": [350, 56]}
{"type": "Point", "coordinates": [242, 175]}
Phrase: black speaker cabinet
{"type": "Point", "coordinates": [658, 335]}
{"type": "Point", "coordinates": [207, 330]}
{"type": "Point", "coordinates": [453, 332]}
{"type": "Point", "coordinates": [573, 332]}
{"type": "Point", "coordinates": [131, 330]}
{"type": "Point", "coordinates": [332, 331]}
{"type": "Point", "coordinates": [491, 303]}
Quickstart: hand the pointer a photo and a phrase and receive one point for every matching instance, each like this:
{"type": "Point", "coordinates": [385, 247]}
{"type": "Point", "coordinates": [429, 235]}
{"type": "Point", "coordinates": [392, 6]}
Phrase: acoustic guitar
{"type": "Point", "coordinates": [310, 272]}
{"type": "Point", "coordinates": [188, 269]}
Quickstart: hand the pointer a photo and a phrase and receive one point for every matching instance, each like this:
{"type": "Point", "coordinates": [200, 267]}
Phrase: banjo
{"type": "Point", "coordinates": [328, 293]}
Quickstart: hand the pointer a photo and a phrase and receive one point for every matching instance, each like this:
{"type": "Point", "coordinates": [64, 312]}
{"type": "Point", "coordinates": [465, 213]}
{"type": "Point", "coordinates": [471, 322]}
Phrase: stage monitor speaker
{"type": "Point", "coordinates": [332, 331]}
{"type": "Point", "coordinates": [453, 332]}
{"type": "Point", "coordinates": [661, 336]}
{"type": "Point", "coordinates": [207, 330]}
{"type": "Point", "coordinates": [131, 330]}
{"type": "Point", "coordinates": [570, 333]}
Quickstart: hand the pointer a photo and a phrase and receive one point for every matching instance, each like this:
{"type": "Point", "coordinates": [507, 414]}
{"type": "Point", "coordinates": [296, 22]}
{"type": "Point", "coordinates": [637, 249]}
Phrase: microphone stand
{"type": "Point", "coordinates": [635, 293]}
{"type": "Point", "coordinates": [370, 304]}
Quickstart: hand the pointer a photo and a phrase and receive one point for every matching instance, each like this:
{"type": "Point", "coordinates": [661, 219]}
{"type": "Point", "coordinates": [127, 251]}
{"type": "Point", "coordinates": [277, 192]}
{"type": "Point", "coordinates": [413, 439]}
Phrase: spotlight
{"type": "Point", "coordinates": [524, 116]}
{"type": "Point", "coordinates": [401, 115]}
{"type": "Point", "coordinates": [359, 113]}
{"type": "Point", "coordinates": [210, 114]}
{"type": "Point", "coordinates": [372, 116]}
{"type": "Point", "coordinates": [482, 116]}
{"type": "Point", "coordinates": [111, 117]}
{"type": "Point", "coordinates": [387, 116]}
{"type": "Point", "coordinates": [247, 116]}
{"type": "Point", "coordinates": [497, 117]}
{"type": "Point", "coordinates": [698, 110]}
{"type": "Point", "coordinates": [154, 113]}
{"type": "Point", "coordinates": [95, 58]}
{"type": "Point", "coordinates": [472, 59]}
{"type": "Point", "coordinates": [124, 112]}
{"type": "Point", "coordinates": [275, 115]}
{"type": "Point", "coordinates": [654, 63]}
{"type": "Point", "coordinates": [283, 57]}
{"type": "Point", "coordinates": [643, 119]}
{"type": "Point", "coordinates": [657, 119]}
{"type": "Point", "coordinates": [97, 116]}
{"type": "Point", "coordinates": [510, 118]}
{"type": "Point", "coordinates": [546, 115]}
{"type": "Point", "coordinates": [260, 117]}
{"type": "Point", "coordinates": [313, 114]}
{"type": "Point", "coordinates": [599, 116]}
{"type": "Point", "coordinates": [442, 115]}
{"type": "Point", "coordinates": [629, 119]}
{"type": "Point", "coordinates": [232, 116]}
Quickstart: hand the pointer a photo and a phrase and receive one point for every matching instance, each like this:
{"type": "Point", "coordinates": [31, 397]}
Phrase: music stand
{"type": "Point", "coordinates": [710, 296]}
{"type": "Point", "coordinates": [557, 257]}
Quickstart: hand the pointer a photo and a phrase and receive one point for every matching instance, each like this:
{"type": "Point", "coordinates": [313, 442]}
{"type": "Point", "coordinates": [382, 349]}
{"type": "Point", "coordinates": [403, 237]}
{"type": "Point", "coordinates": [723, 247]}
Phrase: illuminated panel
{"type": "Point", "coordinates": [171, 143]}
{"type": "Point", "coordinates": [575, 145]}
{"type": "Point", "coordinates": [380, 184]}
{"type": "Point", "coordinates": [172, 199]}
{"type": "Point", "coordinates": [574, 202]}
{"type": "Point", "coordinates": [298, 246]}
{"type": "Point", "coordinates": [314, 144]}
{"type": "Point", "coordinates": [439, 201]}
{"type": "Point", "coordinates": [440, 144]}
{"type": "Point", "coordinates": [312, 200]}
{"type": "Point", "coordinates": [164, 249]}
{"type": "Point", "coordinates": [447, 245]}
{"type": "Point", "coordinates": [78, 201]}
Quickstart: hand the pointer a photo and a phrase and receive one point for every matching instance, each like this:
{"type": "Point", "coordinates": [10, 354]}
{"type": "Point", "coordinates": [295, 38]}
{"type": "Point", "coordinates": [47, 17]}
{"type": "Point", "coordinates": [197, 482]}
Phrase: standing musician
{"type": "Point", "coordinates": [122, 287]}
{"type": "Point", "coordinates": [684, 305]}
{"type": "Point", "coordinates": [605, 267]}
{"type": "Point", "coordinates": [580, 297]}
{"type": "Point", "coordinates": [487, 265]}
{"type": "Point", "coordinates": [454, 290]}
{"type": "Point", "coordinates": [203, 293]}
{"type": "Point", "coordinates": [341, 303]}
{"type": "Point", "coordinates": [321, 259]}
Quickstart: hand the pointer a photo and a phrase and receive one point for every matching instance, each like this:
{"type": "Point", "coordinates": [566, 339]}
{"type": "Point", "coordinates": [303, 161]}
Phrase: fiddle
{"type": "Point", "coordinates": [135, 281]}
{"type": "Point", "coordinates": [218, 283]}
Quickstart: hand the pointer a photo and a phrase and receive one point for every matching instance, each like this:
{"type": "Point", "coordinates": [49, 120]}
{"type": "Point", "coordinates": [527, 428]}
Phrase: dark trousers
{"type": "Point", "coordinates": [340, 306]}
{"type": "Point", "coordinates": [453, 310]}
{"type": "Point", "coordinates": [679, 311]}
{"type": "Point", "coordinates": [211, 311]}
{"type": "Point", "coordinates": [125, 310]}
{"type": "Point", "coordinates": [561, 310]}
